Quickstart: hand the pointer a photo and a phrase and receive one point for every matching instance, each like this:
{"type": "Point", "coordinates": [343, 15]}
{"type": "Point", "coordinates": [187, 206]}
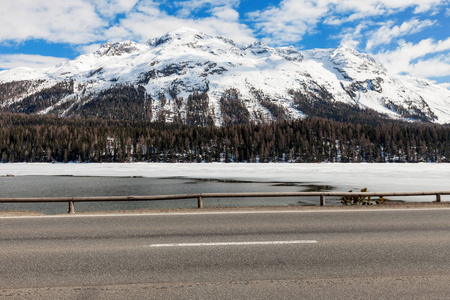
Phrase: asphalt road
{"type": "Point", "coordinates": [395, 254]}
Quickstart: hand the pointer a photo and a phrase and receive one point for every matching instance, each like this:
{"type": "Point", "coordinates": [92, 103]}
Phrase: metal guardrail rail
{"type": "Point", "coordinates": [322, 196]}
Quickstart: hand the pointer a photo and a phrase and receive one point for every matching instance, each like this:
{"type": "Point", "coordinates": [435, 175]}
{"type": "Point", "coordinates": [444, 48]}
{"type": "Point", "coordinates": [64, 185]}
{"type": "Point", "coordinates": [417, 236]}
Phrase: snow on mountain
{"type": "Point", "coordinates": [172, 67]}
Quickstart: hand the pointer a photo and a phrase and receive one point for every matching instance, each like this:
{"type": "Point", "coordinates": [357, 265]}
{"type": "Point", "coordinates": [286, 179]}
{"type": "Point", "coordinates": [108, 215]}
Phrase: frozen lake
{"type": "Point", "coordinates": [72, 180]}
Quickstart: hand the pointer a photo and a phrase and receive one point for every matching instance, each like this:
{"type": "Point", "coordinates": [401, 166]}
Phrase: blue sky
{"type": "Point", "coordinates": [407, 36]}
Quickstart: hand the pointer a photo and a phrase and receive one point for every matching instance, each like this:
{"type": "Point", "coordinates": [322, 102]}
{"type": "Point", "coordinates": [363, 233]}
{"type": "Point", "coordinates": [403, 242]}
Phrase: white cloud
{"type": "Point", "coordinates": [74, 21]}
{"type": "Point", "coordinates": [386, 33]}
{"type": "Point", "coordinates": [110, 8]}
{"type": "Point", "coordinates": [9, 61]}
{"type": "Point", "coordinates": [83, 22]}
{"type": "Point", "coordinates": [225, 13]}
{"type": "Point", "coordinates": [68, 21]}
{"type": "Point", "coordinates": [435, 67]}
{"type": "Point", "coordinates": [87, 49]}
{"type": "Point", "coordinates": [379, 7]}
{"type": "Point", "coordinates": [343, 11]}
{"type": "Point", "coordinates": [187, 8]}
{"type": "Point", "coordinates": [292, 19]}
{"type": "Point", "coordinates": [445, 85]}
{"type": "Point", "coordinates": [148, 21]}
{"type": "Point", "coordinates": [414, 59]}
{"type": "Point", "coordinates": [351, 37]}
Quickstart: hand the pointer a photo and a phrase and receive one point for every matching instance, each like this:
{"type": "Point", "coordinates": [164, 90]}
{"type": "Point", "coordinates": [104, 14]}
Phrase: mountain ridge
{"type": "Point", "coordinates": [189, 74]}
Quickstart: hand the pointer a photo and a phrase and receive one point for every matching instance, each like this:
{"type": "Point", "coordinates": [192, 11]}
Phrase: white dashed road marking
{"type": "Point", "coordinates": [233, 244]}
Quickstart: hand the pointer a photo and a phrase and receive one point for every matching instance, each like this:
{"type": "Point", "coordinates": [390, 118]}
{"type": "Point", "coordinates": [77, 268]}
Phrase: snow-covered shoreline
{"type": "Point", "coordinates": [376, 177]}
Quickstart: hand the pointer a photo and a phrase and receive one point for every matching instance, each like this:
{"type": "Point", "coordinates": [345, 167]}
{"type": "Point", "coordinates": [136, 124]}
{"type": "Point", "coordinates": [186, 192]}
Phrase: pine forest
{"type": "Point", "coordinates": [47, 138]}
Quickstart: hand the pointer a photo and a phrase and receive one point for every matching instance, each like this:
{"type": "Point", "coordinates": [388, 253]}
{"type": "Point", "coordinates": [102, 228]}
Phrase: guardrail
{"type": "Point", "coordinates": [322, 196]}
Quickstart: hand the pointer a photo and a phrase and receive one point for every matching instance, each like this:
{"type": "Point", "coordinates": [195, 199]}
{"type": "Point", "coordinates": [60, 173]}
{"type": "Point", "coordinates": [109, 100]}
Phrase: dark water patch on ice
{"type": "Point", "coordinates": [223, 180]}
{"type": "Point", "coordinates": [318, 188]}
{"type": "Point", "coordinates": [289, 184]}
{"type": "Point", "coordinates": [95, 176]}
{"type": "Point", "coordinates": [306, 186]}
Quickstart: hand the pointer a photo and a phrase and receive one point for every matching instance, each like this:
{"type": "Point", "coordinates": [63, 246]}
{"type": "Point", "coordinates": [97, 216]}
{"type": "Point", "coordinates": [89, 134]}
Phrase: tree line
{"type": "Point", "coordinates": [47, 138]}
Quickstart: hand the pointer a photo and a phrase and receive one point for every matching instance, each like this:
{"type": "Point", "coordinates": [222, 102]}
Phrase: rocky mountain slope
{"type": "Point", "coordinates": [188, 76]}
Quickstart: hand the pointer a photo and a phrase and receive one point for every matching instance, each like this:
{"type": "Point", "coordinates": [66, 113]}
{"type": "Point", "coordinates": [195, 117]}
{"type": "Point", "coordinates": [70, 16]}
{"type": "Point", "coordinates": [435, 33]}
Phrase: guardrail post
{"type": "Point", "coordinates": [200, 202]}
{"type": "Point", "coordinates": [322, 200]}
{"type": "Point", "coordinates": [71, 208]}
{"type": "Point", "coordinates": [438, 197]}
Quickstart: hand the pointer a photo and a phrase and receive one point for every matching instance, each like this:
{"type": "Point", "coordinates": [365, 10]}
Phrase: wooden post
{"type": "Point", "coordinates": [322, 200]}
{"type": "Point", "coordinates": [438, 197]}
{"type": "Point", "coordinates": [200, 202]}
{"type": "Point", "coordinates": [71, 208]}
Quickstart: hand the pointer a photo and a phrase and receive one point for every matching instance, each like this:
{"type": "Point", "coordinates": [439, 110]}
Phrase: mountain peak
{"type": "Point", "coordinates": [346, 48]}
{"type": "Point", "coordinates": [183, 31]}
{"type": "Point", "coordinates": [184, 34]}
{"type": "Point", "coordinates": [118, 48]}
{"type": "Point", "coordinates": [271, 82]}
{"type": "Point", "coordinates": [344, 52]}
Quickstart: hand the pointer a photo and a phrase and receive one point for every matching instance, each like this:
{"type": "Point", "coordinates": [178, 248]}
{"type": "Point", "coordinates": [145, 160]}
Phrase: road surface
{"type": "Point", "coordinates": [365, 254]}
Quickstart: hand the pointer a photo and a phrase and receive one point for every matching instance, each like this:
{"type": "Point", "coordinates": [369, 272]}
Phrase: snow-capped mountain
{"type": "Point", "coordinates": [187, 73]}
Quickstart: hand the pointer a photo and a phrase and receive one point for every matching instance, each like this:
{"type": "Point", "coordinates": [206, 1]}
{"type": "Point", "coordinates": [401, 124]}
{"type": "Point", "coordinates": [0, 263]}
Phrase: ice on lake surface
{"type": "Point", "coordinates": [75, 180]}
{"type": "Point", "coordinates": [376, 177]}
